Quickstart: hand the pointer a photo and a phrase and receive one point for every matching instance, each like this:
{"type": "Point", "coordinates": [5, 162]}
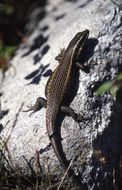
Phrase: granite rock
{"type": "Point", "coordinates": [96, 142]}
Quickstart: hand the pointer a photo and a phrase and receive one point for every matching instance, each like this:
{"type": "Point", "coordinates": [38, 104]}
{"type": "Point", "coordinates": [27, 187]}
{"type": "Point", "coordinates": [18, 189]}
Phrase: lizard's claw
{"type": "Point", "coordinates": [30, 108]}
{"type": "Point", "coordinates": [81, 117]}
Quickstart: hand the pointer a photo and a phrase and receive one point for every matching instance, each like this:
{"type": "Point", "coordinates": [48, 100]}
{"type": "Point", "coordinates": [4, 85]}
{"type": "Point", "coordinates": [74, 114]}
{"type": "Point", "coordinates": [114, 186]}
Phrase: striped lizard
{"type": "Point", "coordinates": [56, 91]}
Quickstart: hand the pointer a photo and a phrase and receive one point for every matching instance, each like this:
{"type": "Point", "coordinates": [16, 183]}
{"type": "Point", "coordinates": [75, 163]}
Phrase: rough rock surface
{"type": "Point", "coordinates": [95, 142]}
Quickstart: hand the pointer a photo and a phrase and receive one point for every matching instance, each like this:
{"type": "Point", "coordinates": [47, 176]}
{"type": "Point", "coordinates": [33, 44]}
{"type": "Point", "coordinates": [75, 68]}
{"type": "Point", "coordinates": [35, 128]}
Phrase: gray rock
{"type": "Point", "coordinates": [95, 142]}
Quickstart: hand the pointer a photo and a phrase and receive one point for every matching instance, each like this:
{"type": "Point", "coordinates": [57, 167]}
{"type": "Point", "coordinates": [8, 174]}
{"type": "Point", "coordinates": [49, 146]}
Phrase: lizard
{"type": "Point", "coordinates": [56, 90]}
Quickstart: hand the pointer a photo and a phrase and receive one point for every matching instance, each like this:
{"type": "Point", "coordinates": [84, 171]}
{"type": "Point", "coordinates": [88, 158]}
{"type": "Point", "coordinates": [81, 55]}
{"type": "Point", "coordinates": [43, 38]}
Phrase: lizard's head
{"type": "Point", "coordinates": [81, 37]}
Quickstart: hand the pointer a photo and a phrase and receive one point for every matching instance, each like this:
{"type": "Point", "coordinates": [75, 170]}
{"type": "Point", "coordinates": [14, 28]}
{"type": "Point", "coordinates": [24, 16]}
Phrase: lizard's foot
{"type": "Point", "coordinates": [40, 103]}
{"type": "Point", "coordinates": [30, 108]}
{"type": "Point", "coordinates": [70, 112]}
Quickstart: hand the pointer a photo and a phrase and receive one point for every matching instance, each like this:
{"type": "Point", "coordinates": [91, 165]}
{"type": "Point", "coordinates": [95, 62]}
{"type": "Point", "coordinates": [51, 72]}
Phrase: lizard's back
{"type": "Point", "coordinates": [58, 86]}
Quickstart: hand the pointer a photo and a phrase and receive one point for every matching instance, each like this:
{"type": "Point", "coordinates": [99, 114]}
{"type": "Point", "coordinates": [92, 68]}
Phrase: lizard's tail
{"type": "Point", "coordinates": [55, 139]}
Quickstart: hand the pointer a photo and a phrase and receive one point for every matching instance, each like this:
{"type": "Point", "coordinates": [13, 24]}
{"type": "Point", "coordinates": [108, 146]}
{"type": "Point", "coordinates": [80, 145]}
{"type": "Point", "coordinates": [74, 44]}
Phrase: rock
{"type": "Point", "coordinates": [96, 142]}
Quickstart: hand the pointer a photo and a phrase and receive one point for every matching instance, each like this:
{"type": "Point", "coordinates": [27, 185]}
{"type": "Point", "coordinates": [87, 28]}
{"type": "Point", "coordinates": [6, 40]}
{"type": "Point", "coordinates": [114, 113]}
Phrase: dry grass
{"type": "Point", "coordinates": [16, 180]}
